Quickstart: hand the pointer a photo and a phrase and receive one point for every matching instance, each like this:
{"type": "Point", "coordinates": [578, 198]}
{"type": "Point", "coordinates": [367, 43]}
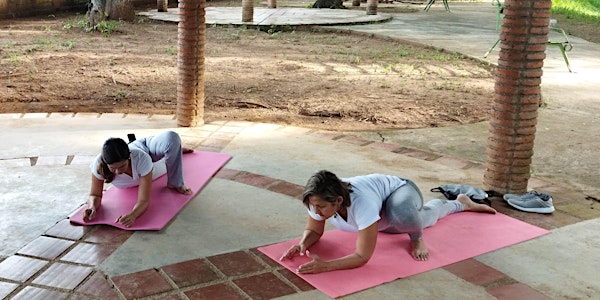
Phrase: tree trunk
{"type": "Point", "coordinates": [101, 10]}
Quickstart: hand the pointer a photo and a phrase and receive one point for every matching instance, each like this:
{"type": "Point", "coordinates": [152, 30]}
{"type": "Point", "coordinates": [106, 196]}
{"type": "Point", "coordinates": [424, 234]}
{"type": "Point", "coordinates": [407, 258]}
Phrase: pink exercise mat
{"type": "Point", "coordinates": [456, 237]}
{"type": "Point", "coordinates": [198, 168]}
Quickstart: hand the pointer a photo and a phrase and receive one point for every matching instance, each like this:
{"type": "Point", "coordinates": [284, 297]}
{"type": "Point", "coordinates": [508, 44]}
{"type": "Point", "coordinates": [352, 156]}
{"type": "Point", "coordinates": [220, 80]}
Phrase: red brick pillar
{"type": "Point", "coordinates": [247, 10]}
{"type": "Point", "coordinates": [372, 7]}
{"type": "Point", "coordinates": [190, 62]}
{"type": "Point", "coordinates": [517, 95]}
{"type": "Point", "coordinates": [271, 3]}
{"type": "Point", "coordinates": [161, 5]}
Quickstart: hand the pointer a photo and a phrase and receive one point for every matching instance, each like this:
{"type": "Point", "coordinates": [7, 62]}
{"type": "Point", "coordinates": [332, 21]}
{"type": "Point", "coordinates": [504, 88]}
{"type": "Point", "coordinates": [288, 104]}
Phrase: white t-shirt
{"type": "Point", "coordinates": [366, 199]}
{"type": "Point", "coordinates": [141, 165]}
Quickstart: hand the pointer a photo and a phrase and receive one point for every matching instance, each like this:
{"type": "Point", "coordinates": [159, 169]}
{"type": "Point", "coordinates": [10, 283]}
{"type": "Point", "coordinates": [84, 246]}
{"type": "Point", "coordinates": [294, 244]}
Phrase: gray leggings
{"type": "Point", "coordinates": [404, 212]}
{"type": "Point", "coordinates": [165, 145]}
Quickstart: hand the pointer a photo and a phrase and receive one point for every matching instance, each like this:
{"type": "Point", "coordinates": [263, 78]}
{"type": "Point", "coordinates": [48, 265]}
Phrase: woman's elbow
{"type": "Point", "coordinates": [362, 260]}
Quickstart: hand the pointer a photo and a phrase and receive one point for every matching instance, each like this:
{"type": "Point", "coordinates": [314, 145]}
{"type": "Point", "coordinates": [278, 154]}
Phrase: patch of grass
{"type": "Point", "coordinates": [68, 44]}
{"type": "Point", "coordinates": [580, 10]}
{"type": "Point", "coordinates": [14, 57]}
{"type": "Point", "coordinates": [40, 44]}
{"type": "Point", "coordinates": [238, 33]}
{"type": "Point", "coordinates": [448, 57]}
{"type": "Point", "coordinates": [172, 50]}
{"type": "Point", "coordinates": [106, 27]}
{"type": "Point", "coordinates": [121, 94]}
{"type": "Point", "coordinates": [401, 52]}
{"type": "Point", "coordinates": [9, 44]}
{"type": "Point", "coordinates": [76, 22]}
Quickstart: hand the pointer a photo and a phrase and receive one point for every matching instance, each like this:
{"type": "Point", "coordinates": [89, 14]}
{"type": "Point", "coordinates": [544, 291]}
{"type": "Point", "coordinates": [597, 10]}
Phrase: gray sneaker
{"type": "Point", "coordinates": [528, 195]}
{"type": "Point", "coordinates": [530, 202]}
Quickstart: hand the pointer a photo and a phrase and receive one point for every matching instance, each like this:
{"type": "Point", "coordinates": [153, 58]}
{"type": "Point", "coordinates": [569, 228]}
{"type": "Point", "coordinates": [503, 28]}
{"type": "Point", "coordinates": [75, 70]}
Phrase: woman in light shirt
{"type": "Point", "coordinates": [137, 164]}
{"type": "Point", "coordinates": [368, 204]}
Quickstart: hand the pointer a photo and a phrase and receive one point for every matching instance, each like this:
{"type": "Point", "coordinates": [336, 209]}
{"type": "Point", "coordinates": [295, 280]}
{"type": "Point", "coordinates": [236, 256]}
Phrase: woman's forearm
{"type": "Point", "coordinates": [94, 201]}
{"type": "Point", "coordinates": [309, 238]}
{"type": "Point", "coordinates": [140, 207]}
{"type": "Point", "coordinates": [351, 261]}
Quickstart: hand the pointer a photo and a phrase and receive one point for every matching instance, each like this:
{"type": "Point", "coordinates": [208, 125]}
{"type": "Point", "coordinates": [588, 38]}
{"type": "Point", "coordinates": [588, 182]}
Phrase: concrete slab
{"type": "Point", "coordinates": [284, 16]}
{"type": "Point", "coordinates": [45, 158]}
{"type": "Point", "coordinates": [225, 217]}
{"type": "Point", "coordinates": [563, 265]}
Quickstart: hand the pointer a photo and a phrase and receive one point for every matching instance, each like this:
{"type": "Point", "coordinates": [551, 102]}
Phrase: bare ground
{"type": "Point", "coordinates": [302, 78]}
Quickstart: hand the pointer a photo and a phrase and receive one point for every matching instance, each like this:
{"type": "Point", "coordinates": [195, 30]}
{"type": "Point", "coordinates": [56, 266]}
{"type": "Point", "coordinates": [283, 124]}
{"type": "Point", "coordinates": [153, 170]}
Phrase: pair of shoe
{"type": "Point", "coordinates": [531, 201]}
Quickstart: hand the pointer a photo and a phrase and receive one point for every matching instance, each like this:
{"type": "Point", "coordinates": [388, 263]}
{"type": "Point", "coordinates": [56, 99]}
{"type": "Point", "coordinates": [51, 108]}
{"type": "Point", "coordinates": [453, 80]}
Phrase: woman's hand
{"type": "Point", "coordinates": [94, 200]}
{"type": "Point", "coordinates": [127, 220]}
{"type": "Point", "coordinates": [317, 265]}
{"type": "Point", "coordinates": [89, 214]}
{"type": "Point", "coordinates": [294, 251]}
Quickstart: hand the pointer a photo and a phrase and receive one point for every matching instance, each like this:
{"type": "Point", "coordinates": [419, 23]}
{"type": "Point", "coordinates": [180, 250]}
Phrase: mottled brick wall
{"type": "Point", "coordinates": [190, 63]}
{"type": "Point", "coordinates": [517, 95]}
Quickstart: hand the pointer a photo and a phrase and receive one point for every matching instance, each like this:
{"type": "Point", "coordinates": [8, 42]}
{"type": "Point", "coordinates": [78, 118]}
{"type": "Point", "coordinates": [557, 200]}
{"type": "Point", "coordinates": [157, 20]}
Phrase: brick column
{"type": "Point", "coordinates": [372, 7]}
{"type": "Point", "coordinates": [271, 3]}
{"type": "Point", "coordinates": [247, 10]}
{"type": "Point", "coordinates": [161, 5]}
{"type": "Point", "coordinates": [517, 95]}
{"type": "Point", "coordinates": [190, 62]}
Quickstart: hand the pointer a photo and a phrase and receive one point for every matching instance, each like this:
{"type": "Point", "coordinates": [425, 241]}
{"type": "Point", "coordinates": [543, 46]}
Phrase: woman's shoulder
{"type": "Point", "coordinates": [137, 152]}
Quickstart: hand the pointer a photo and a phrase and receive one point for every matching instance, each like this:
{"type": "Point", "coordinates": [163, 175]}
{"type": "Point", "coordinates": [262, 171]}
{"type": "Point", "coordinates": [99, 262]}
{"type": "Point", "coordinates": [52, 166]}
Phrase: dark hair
{"type": "Point", "coordinates": [114, 150]}
{"type": "Point", "coordinates": [328, 187]}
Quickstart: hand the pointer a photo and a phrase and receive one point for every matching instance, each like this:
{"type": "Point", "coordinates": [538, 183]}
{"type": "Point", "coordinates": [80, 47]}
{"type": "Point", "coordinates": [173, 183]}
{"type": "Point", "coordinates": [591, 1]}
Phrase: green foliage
{"type": "Point", "coordinates": [172, 50]}
{"type": "Point", "coordinates": [78, 21]}
{"type": "Point", "coordinates": [106, 27]}
{"type": "Point", "coordinates": [581, 10]}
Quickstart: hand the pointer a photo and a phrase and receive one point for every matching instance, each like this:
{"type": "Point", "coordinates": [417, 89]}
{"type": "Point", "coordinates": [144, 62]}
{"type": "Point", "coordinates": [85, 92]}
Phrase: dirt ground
{"type": "Point", "coordinates": [310, 79]}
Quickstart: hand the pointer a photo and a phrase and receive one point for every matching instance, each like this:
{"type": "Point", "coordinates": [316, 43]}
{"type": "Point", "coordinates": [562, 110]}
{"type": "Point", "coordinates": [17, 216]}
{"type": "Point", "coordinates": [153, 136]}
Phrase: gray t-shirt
{"type": "Point", "coordinates": [367, 197]}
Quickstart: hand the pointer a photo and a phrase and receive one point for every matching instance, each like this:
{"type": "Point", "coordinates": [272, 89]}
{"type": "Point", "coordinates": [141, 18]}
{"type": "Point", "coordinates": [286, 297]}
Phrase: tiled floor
{"type": "Point", "coordinates": [62, 263]}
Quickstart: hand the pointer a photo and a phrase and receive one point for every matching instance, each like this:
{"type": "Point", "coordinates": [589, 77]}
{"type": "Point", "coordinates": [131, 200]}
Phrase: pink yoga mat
{"type": "Point", "coordinates": [454, 238]}
{"type": "Point", "coordinates": [198, 168]}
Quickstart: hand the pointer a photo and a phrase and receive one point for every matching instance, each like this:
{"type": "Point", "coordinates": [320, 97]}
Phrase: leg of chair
{"type": "Point", "coordinates": [428, 5]}
{"type": "Point", "coordinates": [446, 5]}
{"type": "Point", "coordinates": [491, 48]}
{"type": "Point", "coordinates": [564, 54]}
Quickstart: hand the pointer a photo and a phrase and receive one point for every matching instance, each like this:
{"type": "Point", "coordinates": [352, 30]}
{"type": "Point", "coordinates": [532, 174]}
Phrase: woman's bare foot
{"type": "Point", "coordinates": [182, 189]}
{"type": "Point", "coordinates": [186, 150]}
{"type": "Point", "coordinates": [469, 205]}
{"type": "Point", "coordinates": [419, 250]}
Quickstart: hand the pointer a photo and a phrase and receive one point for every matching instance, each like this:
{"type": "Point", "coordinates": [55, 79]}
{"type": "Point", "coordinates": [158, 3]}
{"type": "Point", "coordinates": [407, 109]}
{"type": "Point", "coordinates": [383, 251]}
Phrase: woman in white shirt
{"type": "Point", "coordinates": [368, 204]}
{"type": "Point", "coordinates": [137, 164]}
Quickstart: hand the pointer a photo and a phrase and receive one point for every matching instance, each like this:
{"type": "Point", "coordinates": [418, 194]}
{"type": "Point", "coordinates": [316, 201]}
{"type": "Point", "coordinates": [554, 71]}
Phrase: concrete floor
{"type": "Point", "coordinates": [252, 201]}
